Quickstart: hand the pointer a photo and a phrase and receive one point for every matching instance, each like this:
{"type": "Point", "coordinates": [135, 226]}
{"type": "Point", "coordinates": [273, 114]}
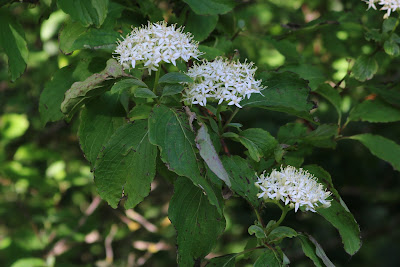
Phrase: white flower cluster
{"type": "Point", "coordinates": [221, 80]}
{"type": "Point", "coordinates": [388, 5]}
{"type": "Point", "coordinates": [294, 187]}
{"type": "Point", "coordinates": [156, 43]}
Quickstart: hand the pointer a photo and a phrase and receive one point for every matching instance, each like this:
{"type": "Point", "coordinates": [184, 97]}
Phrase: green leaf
{"type": "Point", "coordinates": [259, 142]}
{"type": "Point", "coordinates": [200, 26]}
{"type": "Point", "coordinates": [374, 111]}
{"type": "Point", "coordinates": [314, 251]}
{"type": "Point", "coordinates": [389, 24]}
{"type": "Point", "coordinates": [99, 120]}
{"type": "Point", "coordinates": [390, 95]}
{"type": "Point", "coordinates": [127, 84]}
{"type": "Point", "coordinates": [381, 147]}
{"type": "Point", "coordinates": [140, 112]}
{"type": "Point", "coordinates": [53, 93]}
{"type": "Point", "coordinates": [126, 166]}
{"type": "Point", "coordinates": [281, 232]}
{"type": "Point", "coordinates": [172, 89]}
{"type": "Point", "coordinates": [29, 262]}
{"type": "Point", "coordinates": [210, 156]}
{"type": "Point", "coordinates": [323, 136]}
{"type": "Point", "coordinates": [223, 261]}
{"type": "Point", "coordinates": [13, 43]}
{"type": "Point", "coordinates": [296, 133]}
{"type": "Point", "coordinates": [311, 73]}
{"type": "Point", "coordinates": [144, 93]}
{"type": "Point", "coordinates": [395, 38]}
{"type": "Point", "coordinates": [175, 77]}
{"type": "Point", "coordinates": [257, 230]}
{"type": "Point", "coordinates": [87, 12]}
{"type": "Point", "coordinates": [291, 133]}
{"type": "Point", "coordinates": [210, 53]}
{"type": "Point", "coordinates": [373, 34]}
{"type": "Point", "coordinates": [338, 214]}
{"type": "Point", "coordinates": [170, 131]}
{"type": "Point", "coordinates": [150, 9]}
{"type": "Point", "coordinates": [73, 36]}
{"type": "Point", "coordinates": [286, 92]}
{"type": "Point", "coordinates": [365, 68]}
{"type": "Point", "coordinates": [230, 135]}
{"type": "Point", "coordinates": [286, 48]}
{"type": "Point", "coordinates": [242, 178]}
{"type": "Point", "coordinates": [81, 91]}
{"type": "Point", "coordinates": [197, 222]}
{"type": "Point", "coordinates": [332, 95]}
{"type": "Point", "coordinates": [391, 48]}
{"type": "Point", "coordinates": [210, 7]}
{"type": "Point", "coordinates": [325, 178]}
{"type": "Point", "coordinates": [270, 258]}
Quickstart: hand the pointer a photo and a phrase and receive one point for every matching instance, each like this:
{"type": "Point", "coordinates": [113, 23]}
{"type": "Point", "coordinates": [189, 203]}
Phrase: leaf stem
{"type": "Point", "coordinates": [218, 115]}
{"type": "Point", "coordinates": [285, 210]}
{"type": "Point", "coordinates": [345, 124]}
{"type": "Point", "coordinates": [156, 81]}
{"type": "Point", "coordinates": [259, 218]}
{"type": "Point", "coordinates": [230, 118]}
{"type": "Point", "coordinates": [395, 26]}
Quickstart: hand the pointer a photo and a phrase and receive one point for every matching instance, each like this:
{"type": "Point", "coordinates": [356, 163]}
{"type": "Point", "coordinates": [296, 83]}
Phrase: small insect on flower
{"type": "Point", "coordinates": [154, 44]}
{"type": "Point", "coordinates": [221, 80]}
{"type": "Point", "coordinates": [294, 187]}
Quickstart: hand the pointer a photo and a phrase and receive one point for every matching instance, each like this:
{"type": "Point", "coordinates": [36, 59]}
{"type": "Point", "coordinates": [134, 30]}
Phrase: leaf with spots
{"type": "Point", "coordinates": [242, 178]}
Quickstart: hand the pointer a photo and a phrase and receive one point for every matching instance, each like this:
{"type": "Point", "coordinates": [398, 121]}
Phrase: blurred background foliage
{"type": "Point", "coordinates": [50, 213]}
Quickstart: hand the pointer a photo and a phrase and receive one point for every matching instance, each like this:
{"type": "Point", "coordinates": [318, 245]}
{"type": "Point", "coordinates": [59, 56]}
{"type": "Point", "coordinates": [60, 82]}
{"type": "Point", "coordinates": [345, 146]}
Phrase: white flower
{"type": "Point", "coordinates": [388, 5]}
{"type": "Point", "coordinates": [154, 44]}
{"type": "Point", "coordinates": [295, 187]}
{"type": "Point", "coordinates": [371, 3]}
{"type": "Point", "coordinates": [221, 80]}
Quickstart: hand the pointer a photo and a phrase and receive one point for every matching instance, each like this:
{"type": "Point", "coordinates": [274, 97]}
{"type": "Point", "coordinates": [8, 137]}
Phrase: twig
{"type": "Point", "coordinates": [140, 219]}
{"type": "Point", "coordinates": [108, 243]}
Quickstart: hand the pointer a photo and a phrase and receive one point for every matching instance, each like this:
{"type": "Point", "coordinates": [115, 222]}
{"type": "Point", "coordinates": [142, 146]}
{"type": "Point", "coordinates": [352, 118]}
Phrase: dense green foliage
{"type": "Point", "coordinates": [103, 166]}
